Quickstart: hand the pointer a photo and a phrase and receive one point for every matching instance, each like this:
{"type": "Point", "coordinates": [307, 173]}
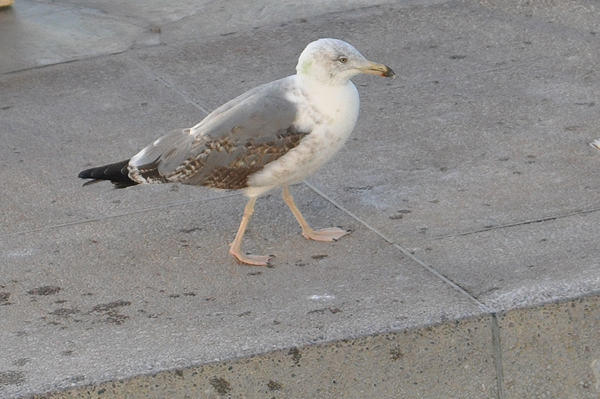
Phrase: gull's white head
{"type": "Point", "coordinates": [334, 62]}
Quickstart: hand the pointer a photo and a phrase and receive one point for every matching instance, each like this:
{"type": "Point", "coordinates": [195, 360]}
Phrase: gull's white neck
{"type": "Point", "coordinates": [339, 103]}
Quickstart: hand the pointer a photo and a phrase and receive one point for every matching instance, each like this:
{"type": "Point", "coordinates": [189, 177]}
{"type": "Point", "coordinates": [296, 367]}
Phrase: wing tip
{"type": "Point", "coordinates": [117, 173]}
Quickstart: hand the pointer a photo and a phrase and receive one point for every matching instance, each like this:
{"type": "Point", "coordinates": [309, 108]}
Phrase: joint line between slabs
{"type": "Point", "coordinates": [517, 224]}
{"type": "Point", "coordinates": [497, 356]}
{"type": "Point", "coordinates": [172, 87]}
{"type": "Point", "coordinates": [100, 218]}
{"type": "Point", "coordinates": [423, 264]}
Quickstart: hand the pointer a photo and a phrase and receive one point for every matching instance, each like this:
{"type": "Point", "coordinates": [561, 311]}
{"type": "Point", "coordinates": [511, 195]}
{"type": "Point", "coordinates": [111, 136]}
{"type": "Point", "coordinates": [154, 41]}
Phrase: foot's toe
{"type": "Point", "coordinates": [254, 260]}
{"type": "Point", "coordinates": [326, 234]}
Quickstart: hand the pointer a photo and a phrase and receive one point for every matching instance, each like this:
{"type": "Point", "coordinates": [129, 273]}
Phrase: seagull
{"type": "Point", "coordinates": [274, 135]}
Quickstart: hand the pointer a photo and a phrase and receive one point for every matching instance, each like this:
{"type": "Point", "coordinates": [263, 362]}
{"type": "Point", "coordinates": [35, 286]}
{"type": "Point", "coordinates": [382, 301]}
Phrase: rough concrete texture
{"type": "Point", "coordinates": [552, 351]}
{"type": "Point", "coordinates": [472, 268]}
{"type": "Point", "coordinates": [429, 362]}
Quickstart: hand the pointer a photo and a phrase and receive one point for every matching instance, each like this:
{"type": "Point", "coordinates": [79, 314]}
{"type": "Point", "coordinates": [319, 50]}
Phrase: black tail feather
{"type": "Point", "coordinates": [117, 173]}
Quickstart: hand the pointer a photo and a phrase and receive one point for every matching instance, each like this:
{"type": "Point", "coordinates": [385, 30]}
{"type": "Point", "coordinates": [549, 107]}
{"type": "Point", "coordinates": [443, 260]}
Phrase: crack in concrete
{"type": "Point", "coordinates": [150, 209]}
{"type": "Point", "coordinates": [171, 86]}
{"type": "Point", "coordinates": [516, 224]}
{"type": "Point", "coordinates": [498, 356]}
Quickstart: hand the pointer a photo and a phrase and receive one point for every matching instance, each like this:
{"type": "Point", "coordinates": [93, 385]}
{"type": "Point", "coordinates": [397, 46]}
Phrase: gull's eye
{"type": "Point", "coordinates": [343, 59]}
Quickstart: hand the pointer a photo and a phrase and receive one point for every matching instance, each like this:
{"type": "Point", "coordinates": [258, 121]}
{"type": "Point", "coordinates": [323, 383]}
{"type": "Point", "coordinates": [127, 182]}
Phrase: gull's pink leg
{"type": "Point", "coordinates": [236, 246]}
{"type": "Point", "coordinates": [327, 234]}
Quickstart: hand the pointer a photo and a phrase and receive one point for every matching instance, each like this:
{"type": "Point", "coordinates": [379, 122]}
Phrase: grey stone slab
{"type": "Point", "coordinates": [552, 351]}
{"type": "Point", "coordinates": [157, 290]}
{"type": "Point", "coordinates": [523, 265]}
{"type": "Point", "coordinates": [42, 33]}
{"type": "Point", "coordinates": [446, 165]}
{"type": "Point", "coordinates": [582, 15]}
{"type": "Point", "coordinates": [453, 360]}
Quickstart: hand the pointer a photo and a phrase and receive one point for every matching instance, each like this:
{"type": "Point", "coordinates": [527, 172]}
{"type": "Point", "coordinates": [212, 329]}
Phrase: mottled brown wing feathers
{"type": "Point", "coordinates": [228, 165]}
{"type": "Point", "coordinates": [151, 174]}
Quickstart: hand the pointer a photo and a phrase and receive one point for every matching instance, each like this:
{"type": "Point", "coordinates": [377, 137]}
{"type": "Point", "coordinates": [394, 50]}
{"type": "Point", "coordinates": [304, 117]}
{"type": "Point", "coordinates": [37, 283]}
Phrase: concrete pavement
{"type": "Point", "coordinates": [473, 267]}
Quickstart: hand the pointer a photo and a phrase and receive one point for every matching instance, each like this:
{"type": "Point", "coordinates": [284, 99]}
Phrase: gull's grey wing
{"type": "Point", "coordinates": [233, 142]}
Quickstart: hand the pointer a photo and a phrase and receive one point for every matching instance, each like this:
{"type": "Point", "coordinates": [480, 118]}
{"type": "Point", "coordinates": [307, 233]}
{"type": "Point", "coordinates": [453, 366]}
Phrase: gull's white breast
{"type": "Point", "coordinates": [329, 113]}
